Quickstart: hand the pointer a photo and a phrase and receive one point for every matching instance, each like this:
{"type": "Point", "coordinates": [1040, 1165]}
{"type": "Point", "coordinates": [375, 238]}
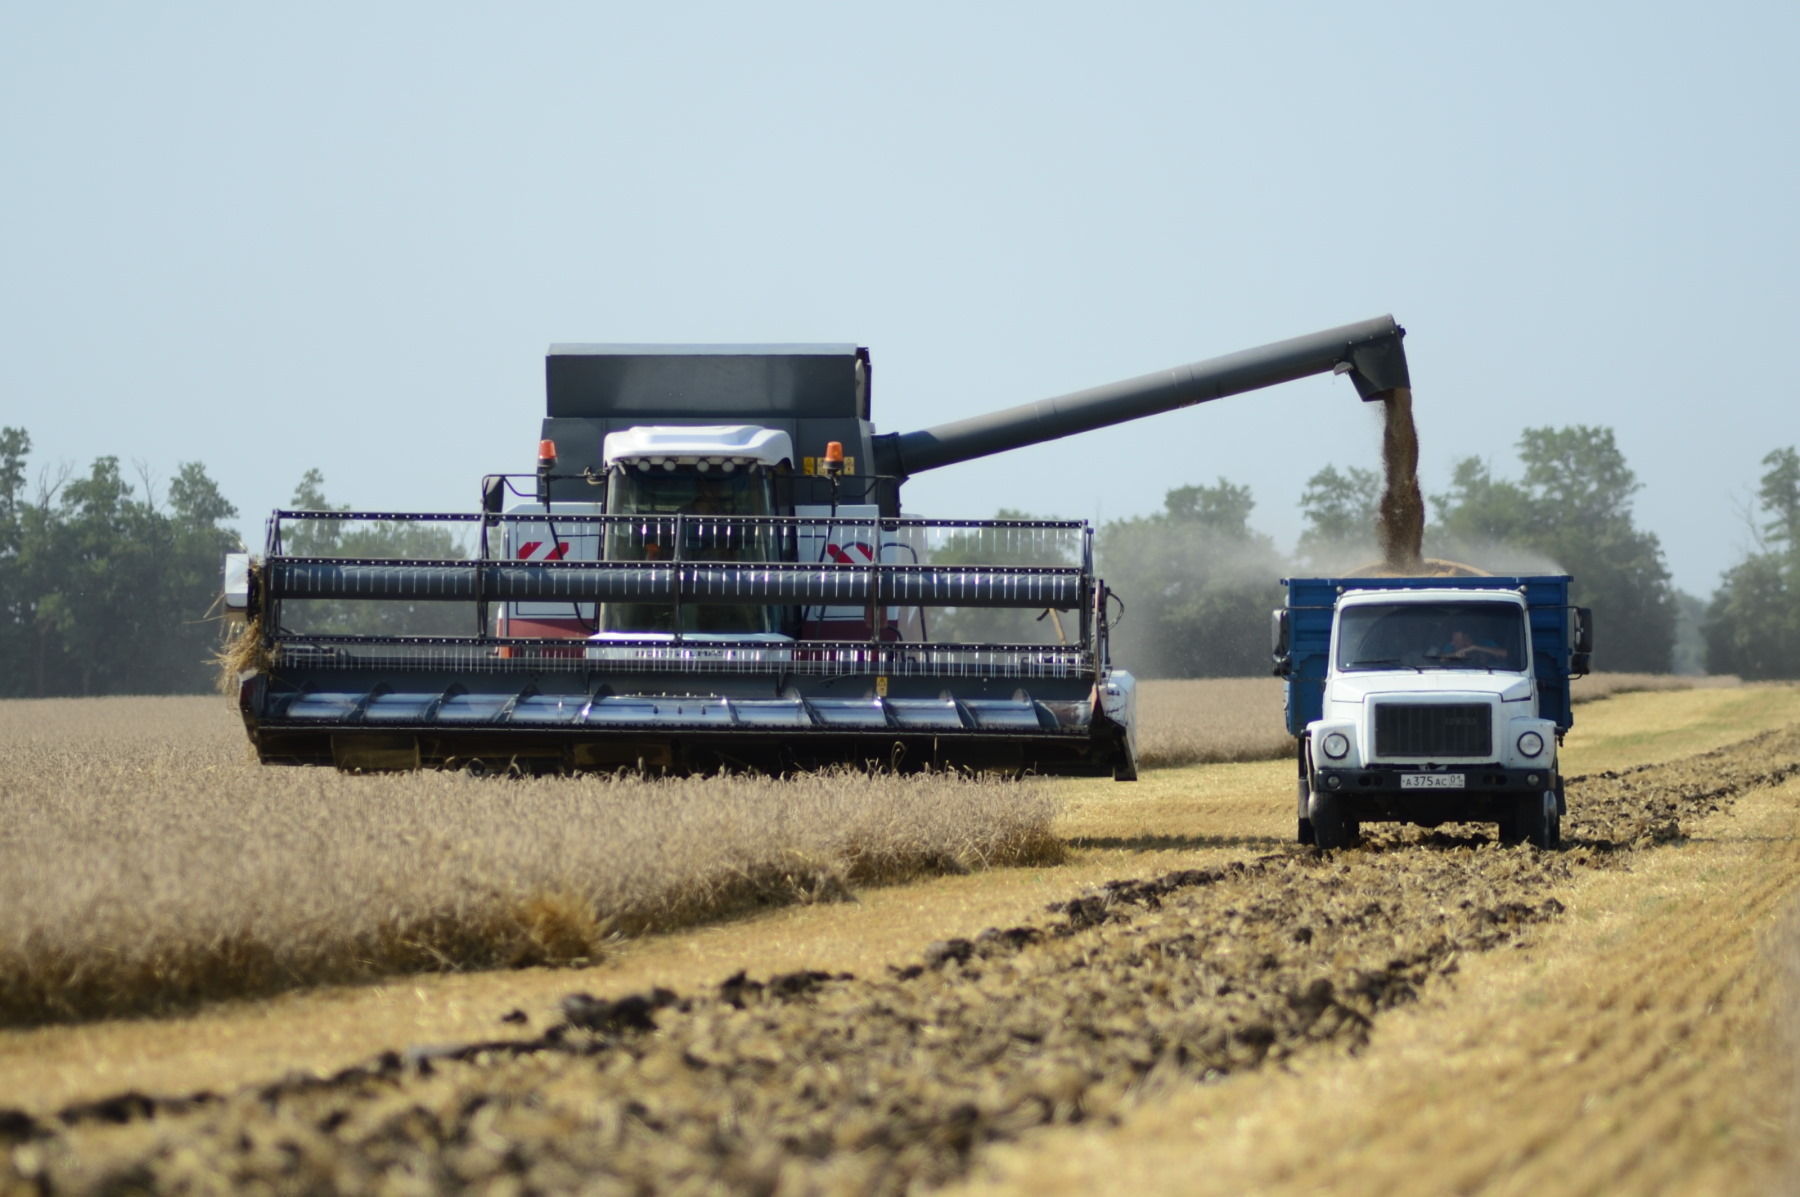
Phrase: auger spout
{"type": "Point", "coordinates": [1369, 351]}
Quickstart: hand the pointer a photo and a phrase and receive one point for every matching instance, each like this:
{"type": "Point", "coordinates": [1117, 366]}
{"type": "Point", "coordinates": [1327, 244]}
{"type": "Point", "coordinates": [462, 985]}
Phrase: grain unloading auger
{"type": "Point", "coordinates": [710, 569]}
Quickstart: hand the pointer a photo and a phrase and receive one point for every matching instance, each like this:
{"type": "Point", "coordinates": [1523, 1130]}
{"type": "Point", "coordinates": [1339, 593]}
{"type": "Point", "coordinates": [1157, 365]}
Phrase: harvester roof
{"type": "Point", "coordinates": [742, 382]}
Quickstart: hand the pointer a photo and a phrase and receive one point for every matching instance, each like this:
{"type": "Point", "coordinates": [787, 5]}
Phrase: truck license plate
{"type": "Point", "coordinates": [1431, 781]}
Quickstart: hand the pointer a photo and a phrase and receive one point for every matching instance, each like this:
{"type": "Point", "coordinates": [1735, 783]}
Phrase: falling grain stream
{"type": "Point", "coordinates": [1401, 530]}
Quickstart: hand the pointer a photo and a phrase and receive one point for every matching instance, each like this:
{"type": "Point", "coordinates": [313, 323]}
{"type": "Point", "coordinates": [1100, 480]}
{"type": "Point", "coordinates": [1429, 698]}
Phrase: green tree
{"type": "Point", "coordinates": [1753, 623]}
{"type": "Point", "coordinates": [102, 589]}
{"type": "Point", "coordinates": [15, 447]}
{"type": "Point", "coordinates": [407, 540]}
{"type": "Point", "coordinates": [1198, 584]}
{"type": "Point", "coordinates": [1572, 507]}
{"type": "Point", "coordinates": [16, 616]}
{"type": "Point", "coordinates": [1003, 625]}
{"type": "Point", "coordinates": [1340, 510]}
{"type": "Point", "coordinates": [99, 582]}
{"type": "Point", "coordinates": [1689, 656]}
{"type": "Point", "coordinates": [1780, 498]}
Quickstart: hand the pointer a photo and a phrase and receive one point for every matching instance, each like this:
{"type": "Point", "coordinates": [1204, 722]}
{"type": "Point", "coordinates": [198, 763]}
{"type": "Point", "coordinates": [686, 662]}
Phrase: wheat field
{"type": "Point", "coordinates": [146, 862]}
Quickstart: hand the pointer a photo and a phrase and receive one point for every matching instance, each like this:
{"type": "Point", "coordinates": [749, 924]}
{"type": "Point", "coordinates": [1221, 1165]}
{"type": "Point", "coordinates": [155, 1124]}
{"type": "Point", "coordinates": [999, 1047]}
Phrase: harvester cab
{"type": "Point", "coordinates": [710, 568]}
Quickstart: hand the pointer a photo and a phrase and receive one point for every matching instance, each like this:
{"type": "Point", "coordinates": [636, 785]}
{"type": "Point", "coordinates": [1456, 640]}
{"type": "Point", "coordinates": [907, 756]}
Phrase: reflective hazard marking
{"type": "Point", "coordinates": [529, 551]}
{"type": "Point", "coordinates": [843, 556]}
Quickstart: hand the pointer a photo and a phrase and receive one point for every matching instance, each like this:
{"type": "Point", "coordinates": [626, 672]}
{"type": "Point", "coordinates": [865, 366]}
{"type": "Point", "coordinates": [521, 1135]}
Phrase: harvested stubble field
{"type": "Point", "coordinates": [1132, 1029]}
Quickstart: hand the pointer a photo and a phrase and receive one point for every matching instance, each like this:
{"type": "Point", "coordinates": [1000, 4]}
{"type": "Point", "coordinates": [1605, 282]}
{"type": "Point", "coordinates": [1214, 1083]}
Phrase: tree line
{"type": "Point", "coordinates": [1199, 581]}
{"type": "Point", "coordinates": [109, 581]}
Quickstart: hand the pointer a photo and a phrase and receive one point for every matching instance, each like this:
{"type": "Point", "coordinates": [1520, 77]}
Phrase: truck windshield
{"type": "Point", "coordinates": [1470, 635]}
{"type": "Point", "coordinates": [692, 515]}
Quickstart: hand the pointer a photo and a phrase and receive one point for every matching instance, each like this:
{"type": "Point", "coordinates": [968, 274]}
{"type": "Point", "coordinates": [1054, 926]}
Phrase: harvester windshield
{"type": "Point", "coordinates": [688, 515]}
{"type": "Point", "coordinates": [1465, 635]}
{"type": "Point", "coordinates": [686, 491]}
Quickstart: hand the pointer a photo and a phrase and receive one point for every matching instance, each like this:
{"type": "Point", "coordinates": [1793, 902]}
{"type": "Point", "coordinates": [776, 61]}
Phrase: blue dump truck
{"type": "Point", "coordinates": [1430, 700]}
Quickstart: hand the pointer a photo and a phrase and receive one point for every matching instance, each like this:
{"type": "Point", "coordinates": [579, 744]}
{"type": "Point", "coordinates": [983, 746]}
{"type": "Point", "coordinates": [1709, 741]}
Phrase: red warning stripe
{"type": "Point", "coordinates": [529, 551]}
{"type": "Point", "coordinates": [842, 557]}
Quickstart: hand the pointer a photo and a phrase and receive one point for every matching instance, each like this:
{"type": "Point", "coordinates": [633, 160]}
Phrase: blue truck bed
{"type": "Point", "coordinates": [1312, 601]}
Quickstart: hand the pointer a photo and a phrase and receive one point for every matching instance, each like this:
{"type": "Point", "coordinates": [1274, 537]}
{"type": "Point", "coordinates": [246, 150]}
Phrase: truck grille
{"type": "Point", "coordinates": [1415, 729]}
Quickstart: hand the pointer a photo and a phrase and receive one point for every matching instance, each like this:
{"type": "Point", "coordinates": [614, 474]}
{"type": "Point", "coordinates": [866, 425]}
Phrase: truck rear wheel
{"type": "Point", "coordinates": [1331, 826]}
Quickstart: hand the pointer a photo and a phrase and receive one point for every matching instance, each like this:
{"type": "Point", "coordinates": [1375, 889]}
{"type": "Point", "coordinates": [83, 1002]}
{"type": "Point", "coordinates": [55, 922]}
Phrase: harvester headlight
{"type": "Point", "coordinates": [1337, 746]}
{"type": "Point", "coordinates": [1530, 744]}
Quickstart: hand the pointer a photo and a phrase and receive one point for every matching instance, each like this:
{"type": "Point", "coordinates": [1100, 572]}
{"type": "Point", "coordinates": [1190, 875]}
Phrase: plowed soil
{"type": "Point", "coordinates": [1643, 1044]}
{"type": "Point", "coordinates": [1131, 999]}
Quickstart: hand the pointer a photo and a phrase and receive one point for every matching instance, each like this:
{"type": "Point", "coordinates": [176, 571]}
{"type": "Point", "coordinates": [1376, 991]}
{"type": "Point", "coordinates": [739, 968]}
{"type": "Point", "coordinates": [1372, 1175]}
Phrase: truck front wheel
{"type": "Point", "coordinates": [1303, 800]}
{"type": "Point", "coordinates": [1331, 825]}
{"type": "Point", "coordinates": [1535, 821]}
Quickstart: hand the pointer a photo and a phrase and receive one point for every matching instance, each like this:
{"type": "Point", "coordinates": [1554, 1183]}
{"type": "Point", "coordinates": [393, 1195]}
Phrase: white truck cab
{"type": "Point", "coordinates": [1433, 706]}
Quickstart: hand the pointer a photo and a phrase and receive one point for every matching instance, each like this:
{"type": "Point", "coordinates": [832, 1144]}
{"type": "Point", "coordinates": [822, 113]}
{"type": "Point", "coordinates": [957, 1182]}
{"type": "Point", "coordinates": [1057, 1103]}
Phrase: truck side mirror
{"type": "Point", "coordinates": [1583, 640]}
{"type": "Point", "coordinates": [1279, 647]}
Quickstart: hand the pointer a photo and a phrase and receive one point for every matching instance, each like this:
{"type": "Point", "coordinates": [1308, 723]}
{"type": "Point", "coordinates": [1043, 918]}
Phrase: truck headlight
{"type": "Point", "coordinates": [1530, 744]}
{"type": "Point", "coordinates": [1337, 746]}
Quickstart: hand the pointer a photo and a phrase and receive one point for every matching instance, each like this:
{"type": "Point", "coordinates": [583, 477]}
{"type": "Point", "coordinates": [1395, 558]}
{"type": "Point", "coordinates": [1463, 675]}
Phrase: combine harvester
{"type": "Point", "coordinates": [710, 569]}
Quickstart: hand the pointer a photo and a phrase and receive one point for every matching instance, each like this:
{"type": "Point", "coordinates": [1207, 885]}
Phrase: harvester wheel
{"type": "Point", "coordinates": [1306, 830]}
{"type": "Point", "coordinates": [1125, 766]}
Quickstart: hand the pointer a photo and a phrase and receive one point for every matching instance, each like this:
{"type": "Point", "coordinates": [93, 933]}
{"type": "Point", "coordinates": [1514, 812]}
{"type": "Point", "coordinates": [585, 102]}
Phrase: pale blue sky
{"type": "Point", "coordinates": [343, 235]}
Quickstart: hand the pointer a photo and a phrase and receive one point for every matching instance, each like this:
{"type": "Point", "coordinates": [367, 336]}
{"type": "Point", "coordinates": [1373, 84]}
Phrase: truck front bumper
{"type": "Point", "coordinates": [1485, 779]}
{"type": "Point", "coordinates": [1487, 793]}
